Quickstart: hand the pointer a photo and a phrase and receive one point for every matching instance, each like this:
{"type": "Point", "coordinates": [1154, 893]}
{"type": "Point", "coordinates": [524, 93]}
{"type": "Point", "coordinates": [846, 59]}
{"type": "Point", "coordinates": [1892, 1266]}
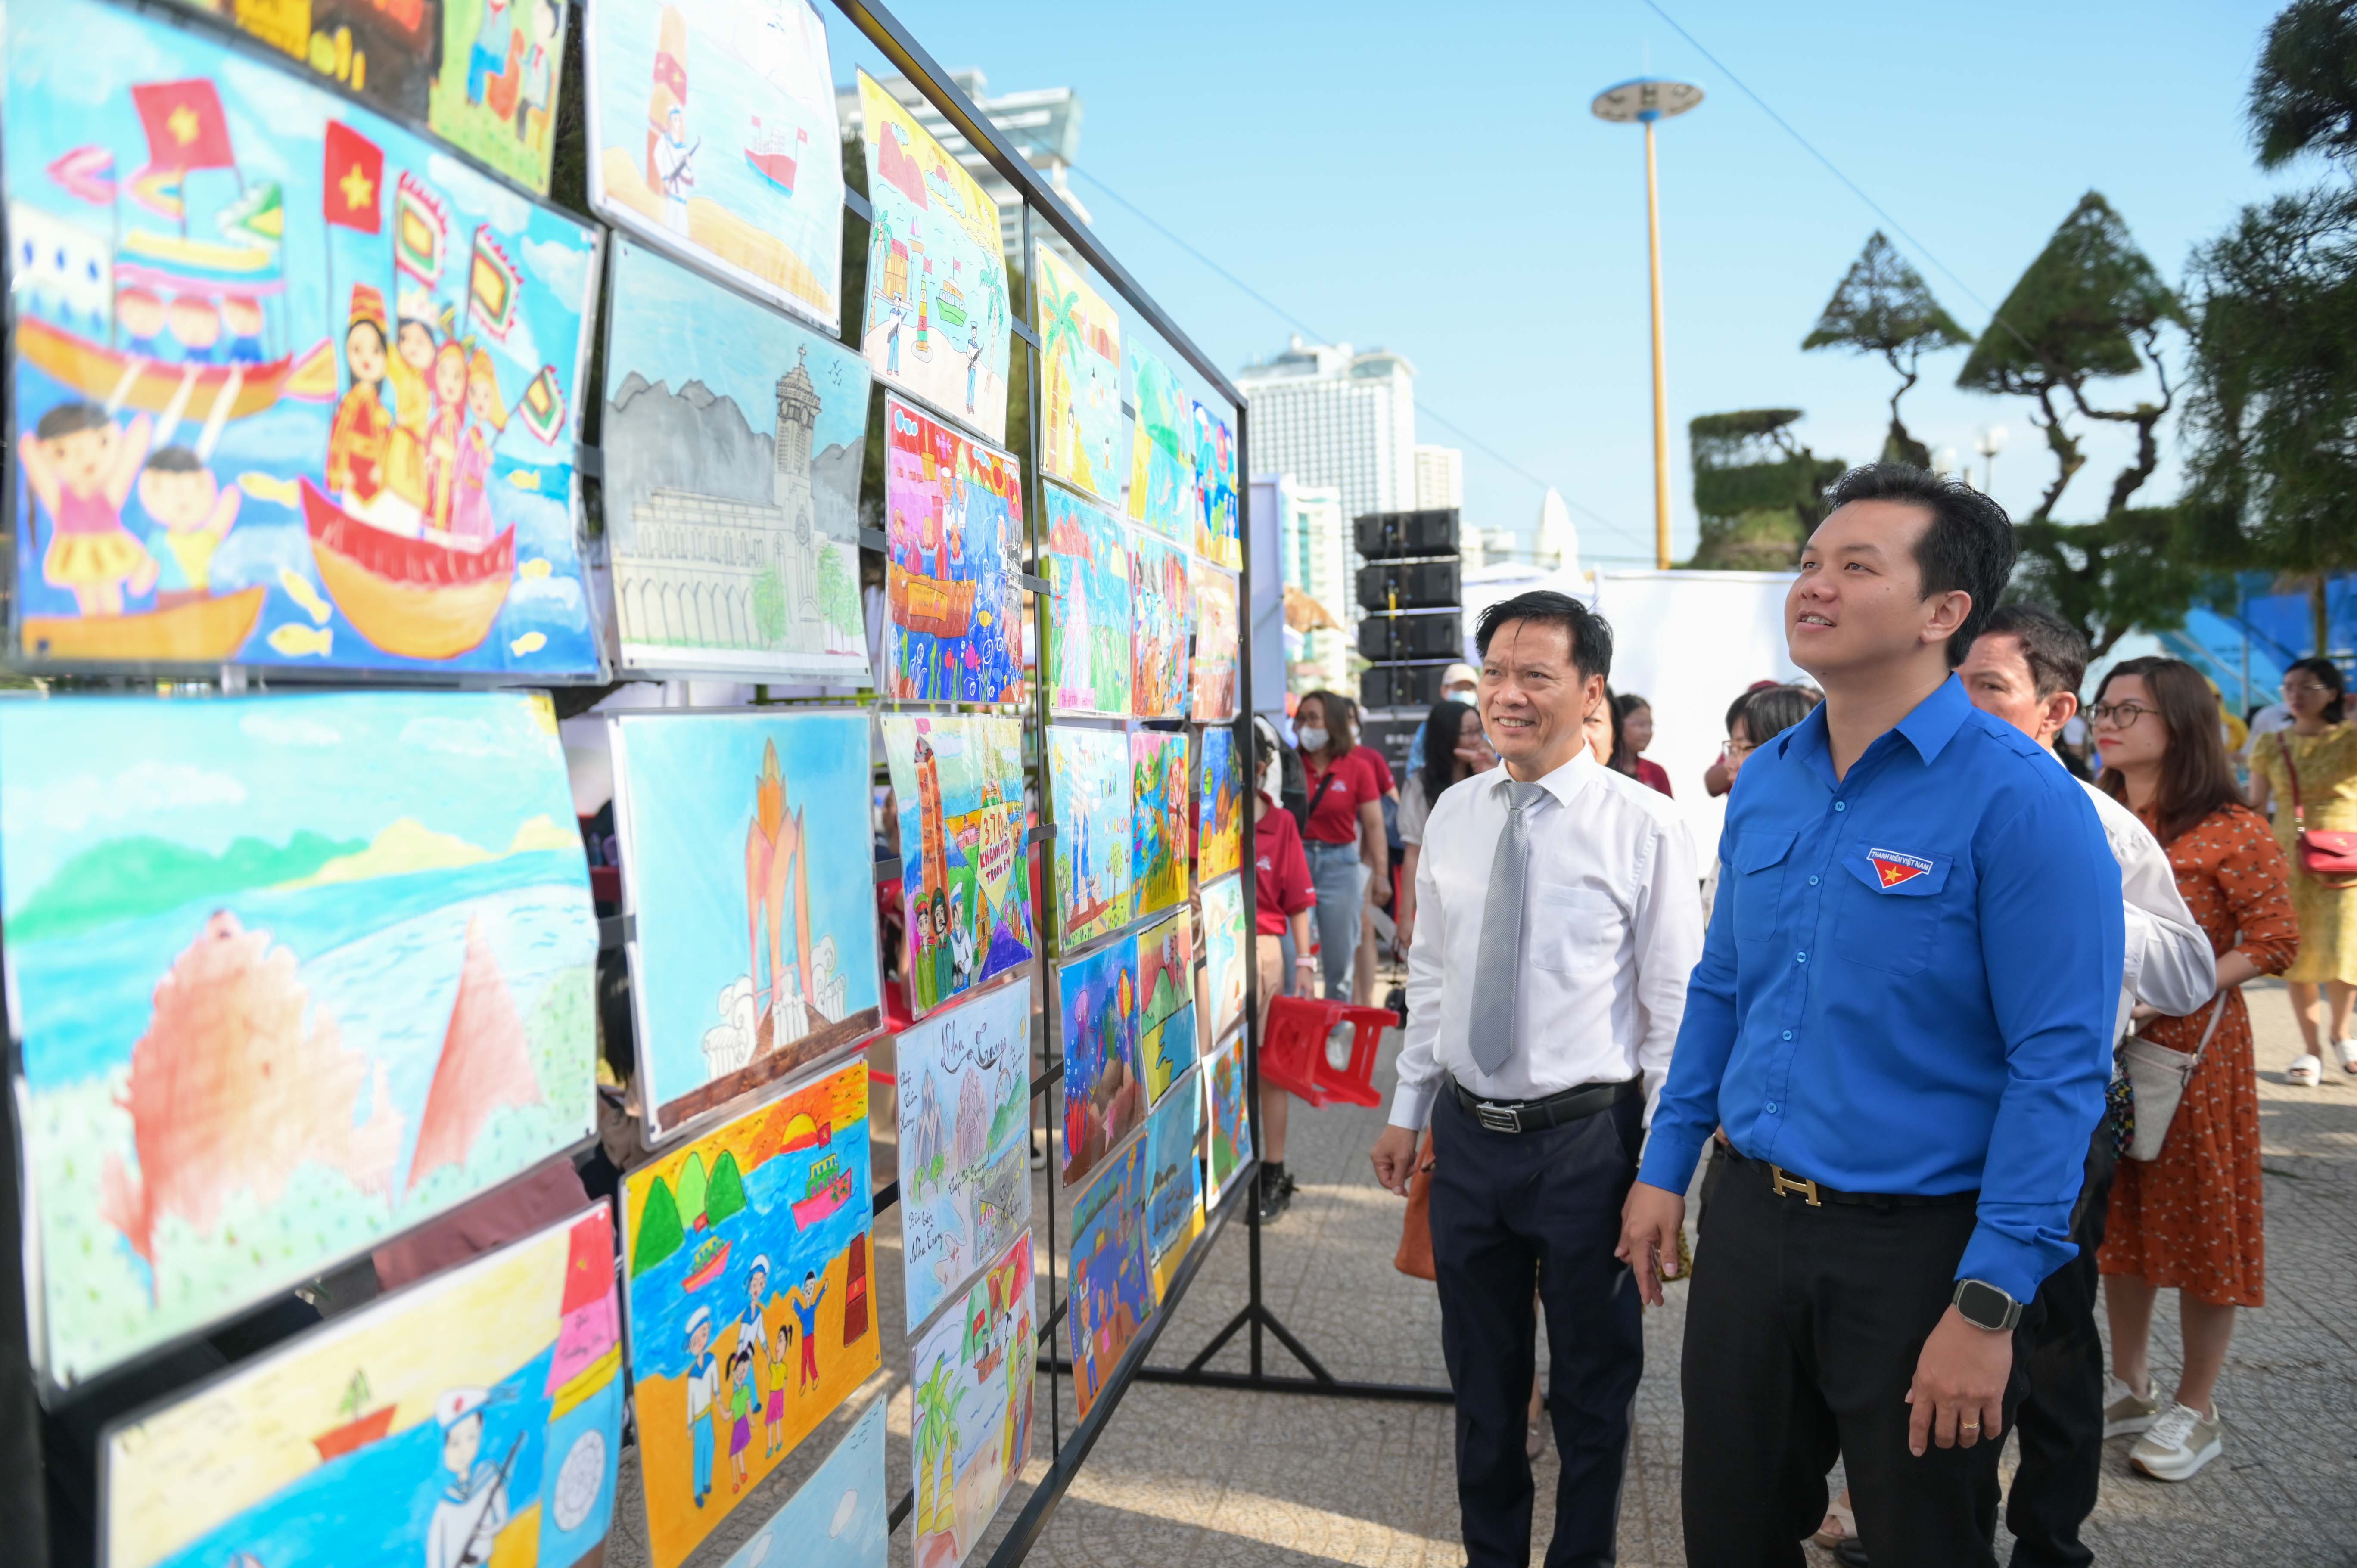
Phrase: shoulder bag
{"type": "Point", "coordinates": [2330, 857]}
{"type": "Point", "coordinates": [2157, 1077]}
{"type": "Point", "coordinates": [1302, 813]}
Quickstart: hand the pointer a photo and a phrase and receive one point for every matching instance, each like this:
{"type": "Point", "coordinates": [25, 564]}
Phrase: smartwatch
{"type": "Point", "coordinates": [1984, 1306]}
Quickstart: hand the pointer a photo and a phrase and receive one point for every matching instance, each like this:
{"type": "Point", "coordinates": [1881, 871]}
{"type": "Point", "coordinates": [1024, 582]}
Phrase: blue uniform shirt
{"type": "Point", "coordinates": [1909, 980]}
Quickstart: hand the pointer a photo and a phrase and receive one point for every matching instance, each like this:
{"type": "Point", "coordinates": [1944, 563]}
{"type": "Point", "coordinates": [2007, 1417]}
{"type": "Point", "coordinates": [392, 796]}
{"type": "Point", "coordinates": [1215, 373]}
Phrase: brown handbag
{"type": "Point", "coordinates": [1414, 1254]}
{"type": "Point", "coordinates": [2326, 855]}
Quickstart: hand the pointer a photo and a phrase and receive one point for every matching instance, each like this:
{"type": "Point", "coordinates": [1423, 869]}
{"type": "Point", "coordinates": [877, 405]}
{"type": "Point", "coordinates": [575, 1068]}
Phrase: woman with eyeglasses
{"type": "Point", "coordinates": [2314, 764]}
{"type": "Point", "coordinates": [2191, 1218]}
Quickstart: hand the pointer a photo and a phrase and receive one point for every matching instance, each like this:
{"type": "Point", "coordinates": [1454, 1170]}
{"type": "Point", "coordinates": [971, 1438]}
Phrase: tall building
{"type": "Point", "coordinates": [1439, 478]}
{"type": "Point", "coordinates": [1327, 416]}
{"type": "Point", "coordinates": [1314, 551]}
{"type": "Point", "coordinates": [1559, 541]}
{"type": "Point", "coordinates": [1043, 123]}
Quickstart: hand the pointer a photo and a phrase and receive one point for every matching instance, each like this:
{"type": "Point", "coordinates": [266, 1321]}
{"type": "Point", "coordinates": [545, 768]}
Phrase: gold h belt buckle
{"type": "Point", "coordinates": [1784, 1183]}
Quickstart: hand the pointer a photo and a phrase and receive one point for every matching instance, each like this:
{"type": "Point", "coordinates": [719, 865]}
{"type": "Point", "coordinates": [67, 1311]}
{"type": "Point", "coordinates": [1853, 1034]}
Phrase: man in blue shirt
{"type": "Point", "coordinates": [1902, 1019]}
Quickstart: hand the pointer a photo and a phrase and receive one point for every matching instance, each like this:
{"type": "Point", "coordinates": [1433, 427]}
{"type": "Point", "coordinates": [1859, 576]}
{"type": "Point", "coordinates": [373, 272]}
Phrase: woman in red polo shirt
{"type": "Point", "coordinates": [1343, 835]}
{"type": "Point", "coordinates": [1281, 944]}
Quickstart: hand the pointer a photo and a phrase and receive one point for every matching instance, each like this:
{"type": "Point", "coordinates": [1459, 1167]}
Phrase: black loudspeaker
{"type": "Point", "coordinates": [1402, 685]}
{"type": "Point", "coordinates": [1385, 639]}
{"type": "Point", "coordinates": [1395, 737]}
{"type": "Point", "coordinates": [1409, 585]}
{"type": "Point", "coordinates": [1390, 535]}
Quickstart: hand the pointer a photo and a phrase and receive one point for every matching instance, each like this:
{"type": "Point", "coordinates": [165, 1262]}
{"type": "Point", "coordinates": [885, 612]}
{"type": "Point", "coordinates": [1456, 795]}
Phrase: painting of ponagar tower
{"type": "Point", "coordinates": [747, 861]}
{"type": "Point", "coordinates": [476, 1418]}
{"type": "Point", "coordinates": [290, 975]}
{"type": "Point", "coordinates": [713, 128]}
{"type": "Point", "coordinates": [733, 439]}
{"type": "Point", "coordinates": [292, 385]}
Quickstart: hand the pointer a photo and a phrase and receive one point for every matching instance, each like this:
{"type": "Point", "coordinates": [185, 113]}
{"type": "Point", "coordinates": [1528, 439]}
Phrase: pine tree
{"type": "Point", "coordinates": [1883, 306]}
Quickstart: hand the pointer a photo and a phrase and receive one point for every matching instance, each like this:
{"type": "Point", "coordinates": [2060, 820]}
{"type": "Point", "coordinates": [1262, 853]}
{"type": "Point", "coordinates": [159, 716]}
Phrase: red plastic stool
{"type": "Point", "coordinates": [1353, 1081]}
{"type": "Point", "coordinates": [1295, 1045]}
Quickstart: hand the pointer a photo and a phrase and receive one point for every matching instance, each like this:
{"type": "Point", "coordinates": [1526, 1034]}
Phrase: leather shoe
{"type": "Point", "coordinates": [1850, 1555]}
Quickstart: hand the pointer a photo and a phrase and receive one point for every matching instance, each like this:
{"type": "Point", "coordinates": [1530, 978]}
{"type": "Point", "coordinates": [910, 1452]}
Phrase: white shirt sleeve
{"type": "Point", "coordinates": [1419, 1063]}
{"type": "Point", "coordinates": [1669, 930]}
{"type": "Point", "coordinates": [2170, 962]}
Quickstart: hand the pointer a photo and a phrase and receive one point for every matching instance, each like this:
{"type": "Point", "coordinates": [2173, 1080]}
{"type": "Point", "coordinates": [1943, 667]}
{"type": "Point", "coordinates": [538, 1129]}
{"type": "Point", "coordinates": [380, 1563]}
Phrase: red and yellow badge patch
{"type": "Point", "coordinates": [1895, 866]}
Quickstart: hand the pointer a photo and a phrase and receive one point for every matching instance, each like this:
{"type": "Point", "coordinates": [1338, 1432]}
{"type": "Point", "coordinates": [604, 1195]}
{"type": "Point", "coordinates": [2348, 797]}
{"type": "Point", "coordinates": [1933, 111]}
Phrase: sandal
{"type": "Point", "coordinates": [2347, 1049]}
{"type": "Point", "coordinates": [1840, 1525]}
{"type": "Point", "coordinates": [2305, 1072]}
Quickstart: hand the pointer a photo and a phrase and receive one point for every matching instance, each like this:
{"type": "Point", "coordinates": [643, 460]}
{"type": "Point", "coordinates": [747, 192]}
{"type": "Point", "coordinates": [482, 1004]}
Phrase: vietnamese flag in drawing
{"type": "Point", "coordinates": [185, 126]}
{"type": "Point", "coordinates": [352, 178]}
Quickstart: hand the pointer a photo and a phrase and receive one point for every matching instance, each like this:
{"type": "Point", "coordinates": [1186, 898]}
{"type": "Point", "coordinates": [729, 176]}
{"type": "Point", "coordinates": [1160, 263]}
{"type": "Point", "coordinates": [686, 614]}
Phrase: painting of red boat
{"type": "Point", "coordinates": [426, 598]}
{"type": "Point", "coordinates": [830, 1188]}
{"type": "Point", "coordinates": [712, 1257]}
{"type": "Point", "coordinates": [336, 1441]}
{"type": "Point", "coordinates": [774, 159]}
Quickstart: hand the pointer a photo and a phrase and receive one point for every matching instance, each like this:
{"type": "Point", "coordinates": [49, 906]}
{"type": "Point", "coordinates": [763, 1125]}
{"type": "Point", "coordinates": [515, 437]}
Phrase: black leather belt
{"type": "Point", "coordinates": [1531, 1115]}
{"type": "Point", "coordinates": [1816, 1194]}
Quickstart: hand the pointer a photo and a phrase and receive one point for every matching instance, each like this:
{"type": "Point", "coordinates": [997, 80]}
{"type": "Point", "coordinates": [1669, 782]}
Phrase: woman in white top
{"type": "Point", "coordinates": [1452, 747]}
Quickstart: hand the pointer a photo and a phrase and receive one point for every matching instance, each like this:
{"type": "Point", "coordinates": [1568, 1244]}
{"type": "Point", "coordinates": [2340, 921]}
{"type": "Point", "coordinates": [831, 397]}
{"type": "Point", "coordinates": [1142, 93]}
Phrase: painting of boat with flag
{"type": "Point", "coordinates": [294, 388]}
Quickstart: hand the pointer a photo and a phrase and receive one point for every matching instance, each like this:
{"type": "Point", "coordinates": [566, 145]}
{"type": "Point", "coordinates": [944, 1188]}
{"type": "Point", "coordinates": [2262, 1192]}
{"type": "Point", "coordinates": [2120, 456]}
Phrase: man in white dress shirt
{"type": "Point", "coordinates": [1558, 918]}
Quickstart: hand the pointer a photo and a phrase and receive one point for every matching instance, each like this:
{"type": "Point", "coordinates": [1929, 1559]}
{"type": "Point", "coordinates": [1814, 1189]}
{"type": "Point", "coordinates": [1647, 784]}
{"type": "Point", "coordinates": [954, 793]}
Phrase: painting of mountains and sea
{"type": "Point", "coordinates": [1165, 989]}
{"type": "Point", "coordinates": [277, 998]}
{"type": "Point", "coordinates": [966, 1108]}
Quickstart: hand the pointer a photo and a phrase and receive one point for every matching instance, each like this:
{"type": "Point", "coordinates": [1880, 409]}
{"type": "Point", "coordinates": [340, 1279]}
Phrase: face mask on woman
{"type": "Point", "coordinates": [1313, 739]}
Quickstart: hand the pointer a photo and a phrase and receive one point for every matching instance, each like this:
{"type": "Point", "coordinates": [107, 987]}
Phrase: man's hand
{"type": "Point", "coordinates": [1395, 1158]}
{"type": "Point", "coordinates": [1959, 1392]}
{"type": "Point", "coordinates": [1650, 1222]}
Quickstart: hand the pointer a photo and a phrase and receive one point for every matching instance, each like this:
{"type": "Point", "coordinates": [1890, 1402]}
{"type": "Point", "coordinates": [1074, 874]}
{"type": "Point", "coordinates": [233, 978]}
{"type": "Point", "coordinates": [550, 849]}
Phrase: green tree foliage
{"type": "Point", "coordinates": [2304, 94]}
{"type": "Point", "coordinates": [1757, 489]}
{"type": "Point", "coordinates": [838, 592]}
{"type": "Point", "coordinates": [660, 1232]}
{"type": "Point", "coordinates": [725, 1195]}
{"type": "Point", "coordinates": [770, 605]}
{"type": "Point", "coordinates": [691, 1188]}
{"type": "Point", "coordinates": [1883, 306]}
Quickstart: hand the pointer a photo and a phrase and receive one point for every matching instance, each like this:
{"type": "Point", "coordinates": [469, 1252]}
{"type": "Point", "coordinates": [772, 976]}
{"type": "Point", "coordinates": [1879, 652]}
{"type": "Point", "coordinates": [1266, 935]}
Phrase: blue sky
{"type": "Point", "coordinates": [1432, 182]}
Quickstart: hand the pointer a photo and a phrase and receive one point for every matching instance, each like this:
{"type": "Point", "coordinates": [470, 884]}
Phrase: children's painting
{"type": "Point", "coordinates": [954, 534]}
{"type": "Point", "coordinates": [1162, 605]}
{"type": "Point", "coordinates": [502, 66]}
{"type": "Point", "coordinates": [293, 387]}
{"type": "Point", "coordinates": [1227, 948]}
{"type": "Point", "coordinates": [746, 1257]}
{"type": "Point", "coordinates": [1228, 1116]}
{"type": "Point", "coordinates": [289, 974]}
{"type": "Point", "coordinates": [1219, 536]}
{"type": "Point", "coordinates": [747, 859]}
{"type": "Point", "coordinates": [971, 1378]}
{"type": "Point", "coordinates": [1214, 699]}
{"type": "Point", "coordinates": [1159, 850]}
{"type": "Point", "coordinates": [964, 883]}
{"type": "Point", "coordinates": [1104, 1096]}
{"type": "Point", "coordinates": [1165, 989]}
{"type": "Point", "coordinates": [475, 1418]}
{"type": "Point", "coordinates": [1162, 493]}
{"type": "Point", "coordinates": [936, 323]}
{"type": "Point", "coordinates": [1087, 567]}
{"type": "Point", "coordinates": [733, 439]}
{"type": "Point", "coordinates": [384, 53]}
{"type": "Point", "coordinates": [713, 129]}
{"type": "Point", "coordinates": [1174, 1181]}
{"type": "Point", "coordinates": [1081, 334]}
{"type": "Point", "coordinates": [837, 1518]}
{"type": "Point", "coordinates": [1111, 1290]}
{"type": "Point", "coordinates": [964, 1095]}
{"type": "Point", "coordinates": [1220, 809]}
{"type": "Point", "coordinates": [1088, 775]}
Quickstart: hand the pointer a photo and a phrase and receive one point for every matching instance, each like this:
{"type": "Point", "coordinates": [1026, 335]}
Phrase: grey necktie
{"type": "Point", "coordinates": [1500, 959]}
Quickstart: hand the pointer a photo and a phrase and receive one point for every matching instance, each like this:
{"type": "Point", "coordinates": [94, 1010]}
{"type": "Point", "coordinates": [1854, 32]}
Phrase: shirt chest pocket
{"type": "Point", "coordinates": [1893, 904]}
{"type": "Point", "coordinates": [1757, 884]}
{"type": "Point", "coordinates": [1574, 929]}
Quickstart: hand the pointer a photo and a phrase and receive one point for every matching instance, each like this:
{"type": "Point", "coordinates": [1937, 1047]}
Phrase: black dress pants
{"type": "Point", "coordinates": [1511, 1211]}
{"type": "Point", "coordinates": [1802, 1334]}
{"type": "Point", "coordinates": [2061, 1422]}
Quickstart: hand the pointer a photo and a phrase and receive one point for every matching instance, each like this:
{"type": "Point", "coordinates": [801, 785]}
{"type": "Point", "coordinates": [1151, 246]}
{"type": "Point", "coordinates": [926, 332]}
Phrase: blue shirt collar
{"type": "Point", "coordinates": [1929, 727]}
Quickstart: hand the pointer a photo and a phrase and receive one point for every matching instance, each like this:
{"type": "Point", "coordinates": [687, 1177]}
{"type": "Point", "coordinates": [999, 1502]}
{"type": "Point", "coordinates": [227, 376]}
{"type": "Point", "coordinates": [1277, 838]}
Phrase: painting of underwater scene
{"type": "Point", "coordinates": [837, 1518]}
{"type": "Point", "coordinates": [503, 68]}
{"type": "Point", "coordinates": [748, 1273]}
{"type": "Point", "coordinates": [712, 127]}
{"type": "Point", "coordinates": [289, 974]}
{"type": "Point", "coordinates": [475, 1417]}
{"type": "Point", "coordinates": [964, 884]}
{"type": "Point", "coordinates": [1112, 1289]}
{"type": "Point", "coordinates": [1220, 806]}
{"type": "Point", "coordinates": [1087, 567]}
{"type": "Point", "coordinates": [747, 860]}
{"type": "Point", "coordinates": [954, 536]}
{"type": "Point", "coordinates": [293, 386]}
{"type": "Point", "coordinates": [1174, 1181]}
{"type": "Point", "coordinates": [1088, 776]}
{"type": "Point", "coordinates": [1159, 851]}
{"type": "Point", "coordinates": [1081, 334]}
{"type": "Point", "coordinates": [1104, 1096]}
{"type": "Point", "coordinates": [1166, 989]}
{"type": "Point", "coordinates": [966, 1112]}
{"type": "Point", "coordinates": [972, 1378]}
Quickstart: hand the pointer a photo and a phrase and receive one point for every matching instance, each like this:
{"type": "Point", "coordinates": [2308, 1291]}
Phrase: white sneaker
{"type": "Point", "coordinates": [2305, 1072]}
{"type": "Point", "coordinates": [2126, 1413]}
{"type": "Point", "coordinates": [2180, 1443]}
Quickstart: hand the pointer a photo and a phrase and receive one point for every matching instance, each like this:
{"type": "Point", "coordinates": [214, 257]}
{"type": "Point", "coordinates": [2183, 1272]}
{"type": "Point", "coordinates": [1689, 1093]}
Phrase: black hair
{"type": "Point", "coordinates": [71, 419]}
{"type": "Point", "coordinates": [1622, 759]}
{"type": "Point", "coordinates": [1341, 716]}
{"type": "Point", "coordinates": [1629, 703]}
{"type": "Point", "coordinates": [2055, 650]}
{"type": "Point", "coordinates": [174, 460]}
{"type": "Point", "coordinates": [2195, 777]}
{"type": "Point", "coordinates": [1769, 713]}
{"type": "Point", "coordinates": [1441, 728]}
{"type": "Point", "coordinates": [1590, 637]}
{"type": "Point", "coordinates": [1968, 548]}
{"type": "Point", "coordinates": [1734, 708]}
{"type": "Point", "coordinates": [2329, 673]}
{"type": "Point", "coordinates": [618, 1030]}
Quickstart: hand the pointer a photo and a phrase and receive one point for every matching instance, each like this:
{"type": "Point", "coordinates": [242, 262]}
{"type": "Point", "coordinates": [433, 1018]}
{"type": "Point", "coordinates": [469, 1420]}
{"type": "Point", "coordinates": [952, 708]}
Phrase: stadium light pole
{"type": "Point", "coordinates": [1643, 101]}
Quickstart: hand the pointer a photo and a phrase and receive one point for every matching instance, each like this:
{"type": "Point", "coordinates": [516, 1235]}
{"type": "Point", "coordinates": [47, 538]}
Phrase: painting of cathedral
{"type": "Point", "coordinates": [733, 437]}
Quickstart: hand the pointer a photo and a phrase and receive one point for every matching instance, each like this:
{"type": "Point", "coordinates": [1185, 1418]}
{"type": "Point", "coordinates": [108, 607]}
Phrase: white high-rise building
{"type": "Point", "coordinates": [1327, 416]}
{"type": "Point", "coordinates": [1043, 123]}
{"type": "Point", "coordinates": [1314, 551]}
{"type": "Point", "coordinates": [1558, 542]}
{"type": "Point", "coordinates": [1439, 478]}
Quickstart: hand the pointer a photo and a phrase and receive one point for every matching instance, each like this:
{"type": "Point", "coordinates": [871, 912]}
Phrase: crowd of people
{"type": "Point", "coordinates": [1955, 1011]}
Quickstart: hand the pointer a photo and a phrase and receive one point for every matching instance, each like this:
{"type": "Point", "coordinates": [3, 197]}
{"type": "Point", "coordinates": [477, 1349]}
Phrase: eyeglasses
{"type": "Point", "coordinates": [2123, 715]}
{"type": "Point", "coordinates": [1741, 747]}
{"type": "Point", "coordinates": [2303, 688]}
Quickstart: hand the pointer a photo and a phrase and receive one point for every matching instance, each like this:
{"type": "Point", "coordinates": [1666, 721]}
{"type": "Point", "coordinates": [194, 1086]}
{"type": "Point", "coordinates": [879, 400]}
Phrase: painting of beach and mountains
{"type": "Point", "coordinates": [1174, 1180]}
{"type": "Point", "coordinates": [1112, 1288]}
{"type": "Point", "coordinates": [289, 974]}
{"type": "Point", "coordinates": [964, 1097]}
{"type": "Point", "coordinates": [1081, 334]}
{"type": "Point", "coordinates": [733, 439]}
{"type": "Point", "coordinates": [713, 129]}
{"type": "Point", "coordinates": [748, 863]}
{"type": "Point", "coordinates": [971, 1377]}
{"type": "Point", "coordinates": [748, 1273]}
{"type": "Point", "coordinates": [1159, 851]}
{"type": "Point", "coordinates": [958, 782]}
{"type": "Point", "coordinates": [1087, 567]}
{"type": "Point", "coordinates": [1220, 806]}
{"type": "Point", "coordinates": [1087, 776]}
{"type": "Point", "coordinates": [953, 538]}
{"type": "Point", "coordinates": [502, 70]}
{"type": "Point", "coordinates": [1166, 989]}
{"type": "Point", "coordinates": [1103, 1092]}
{"type": "Point", "coordinates": [837, 1518]}
{"type": "Point", "coordinates": [475, 1417]}
{"type": "Point", "coordinates": [292, 387]}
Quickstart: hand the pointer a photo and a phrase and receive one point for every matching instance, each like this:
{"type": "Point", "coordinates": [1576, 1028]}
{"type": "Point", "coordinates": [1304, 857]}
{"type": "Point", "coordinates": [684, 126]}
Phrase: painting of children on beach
{"type": "Point", "coordinates": [971, 1378]}
{"type": "Point", "coordinates": [964, 885]}
{"type": "Point", "coordinates": [1213, 700]}
{"type": "Point", "coordinates": [1087, 567]}
{"type": "Point", "coordinates": [1104, 1094]}
{"type": "Point", "coordinates": [1229, 1117]}
{"type": "Point", "coordinates": [1220, 809]}
{"type": "Point", "coordinates": [1163, 611]}
{"type": "Point", "coordinates": [1165, 989]}
{"type": "Point", "coordinates": [840, 1516]}
{"type": "Point", "coordinates": [293, 386]}
{"type": "Point", "coordinates": [502, 66]}
{"type": "Point", "coordinates": [1159, 851]}
{"type": "Point", "coordinates": [1112, 1291]}
{"type": "Point", "coordinates": [747, 860]}
{"type": "Point", "coordinates": [747, 1274]}
{"type": "Point", "coordinates": [964, 1095]}
{"type": "Point", "coordinates": [475, 1418]}
{"type": "Point", "coordinates": [1081, 334]}
{"type": "Point", "coordinates": [279, 996]}
{"type": "Point", "coordinates": [1174, 1180]}
{"type": "Point", "coordinates": [953, 533]}
{"type": "Point", "coordinates": [1088, 776]}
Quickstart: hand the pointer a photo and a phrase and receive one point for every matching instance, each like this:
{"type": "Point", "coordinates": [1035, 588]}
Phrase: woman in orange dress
{"type": "Point", "coordinates": [2190, 1219]}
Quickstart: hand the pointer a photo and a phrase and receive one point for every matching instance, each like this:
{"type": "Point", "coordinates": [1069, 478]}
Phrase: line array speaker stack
{"type": "Point", "coordinates": [1412, 587]}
